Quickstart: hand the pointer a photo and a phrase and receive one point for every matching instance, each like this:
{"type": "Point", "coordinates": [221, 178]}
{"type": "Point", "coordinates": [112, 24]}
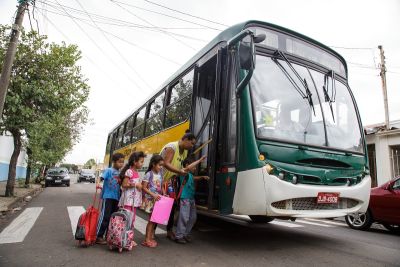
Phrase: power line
{"type": "Point", "coordinates": [353, 48]}
{"type": "Point", "coordinates": [84, 55]}
{"type": "Point", "coordinates": [166, 15]}
{"type": "Point", "coordinates": [115, 48]}
{"type": "Point", "coordinates": [118, 22]}
{"type": "Point", "coordinates": [96, 44]}
{"type": "Point", "coordinates": [30, 21]}
{"type": "Point", "coordinates": [165, 32]}
{"type": "Point", "coordinates": [187, 14]}
{"type": "Point", "coordinates": [153, 29]}
{"type": "Point", "coordinates": [142, 48]}
{"type": "Point", "coordinates": [393, 72]}
{"type": "Point", "coordinates": [362, 65]}
{"type": "Point", "coordinates": [126, 41]}
{"type": "Point", "coordinates": [33, 14]}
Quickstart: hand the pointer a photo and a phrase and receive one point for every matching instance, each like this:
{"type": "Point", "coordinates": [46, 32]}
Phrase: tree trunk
{"type": "Point", "coordinates": [28, 168]}
{"type": "Point", "coordinates": [12, 169]}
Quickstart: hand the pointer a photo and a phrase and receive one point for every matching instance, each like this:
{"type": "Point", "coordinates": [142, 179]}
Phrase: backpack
{"type": "Point", "coordinates": [120, 233]}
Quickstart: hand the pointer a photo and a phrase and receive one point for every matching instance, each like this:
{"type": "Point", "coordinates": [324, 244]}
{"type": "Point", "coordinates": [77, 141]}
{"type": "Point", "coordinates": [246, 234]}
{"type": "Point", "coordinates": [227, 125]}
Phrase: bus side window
{"type": "Point", "coordinates": [137, 132]}
{"type": "Point", "coordinates": [179, 102]}
{"type": "Point", "coordinates": [156, 115]}
{"type": "Point", "coordinates": [128, 131]}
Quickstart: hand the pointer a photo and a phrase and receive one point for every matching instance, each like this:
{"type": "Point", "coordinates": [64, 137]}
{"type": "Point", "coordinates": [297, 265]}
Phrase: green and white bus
{"type": "Point", "coordinates": [287, 139]}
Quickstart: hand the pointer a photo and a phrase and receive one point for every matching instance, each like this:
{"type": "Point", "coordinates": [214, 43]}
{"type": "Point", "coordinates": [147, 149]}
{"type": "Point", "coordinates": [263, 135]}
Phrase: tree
{"type": "Point", "coordinates": [50, 138]}
{"type": "Point", "coordinates": [45, 102]}
{"type": "Point", "coordinates": [90, 163]}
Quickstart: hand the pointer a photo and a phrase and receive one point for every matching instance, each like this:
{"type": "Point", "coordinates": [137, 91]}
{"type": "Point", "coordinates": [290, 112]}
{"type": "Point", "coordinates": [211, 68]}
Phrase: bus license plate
{"type": "Point", "coordinates": [328, 198]}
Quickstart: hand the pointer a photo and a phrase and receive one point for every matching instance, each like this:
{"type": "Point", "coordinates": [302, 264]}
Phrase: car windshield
{"type": "Point", "coordinates": [87, 172]}
{"type": "Point", "coordinates": [282, 113]}
{"type": "Point", "coordinates": [57, 171]}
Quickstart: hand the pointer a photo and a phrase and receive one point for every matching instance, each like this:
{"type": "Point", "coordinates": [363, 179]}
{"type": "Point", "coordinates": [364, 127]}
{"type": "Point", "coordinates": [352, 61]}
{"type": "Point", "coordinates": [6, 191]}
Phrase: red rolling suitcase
{"type": "Point", "coordinates": [86, 230]}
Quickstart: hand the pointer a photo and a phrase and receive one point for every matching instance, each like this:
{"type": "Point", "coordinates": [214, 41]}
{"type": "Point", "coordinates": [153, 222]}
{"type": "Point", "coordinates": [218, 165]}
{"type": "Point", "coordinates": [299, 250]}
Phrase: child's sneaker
{"type": "Point", "coordinates": [180, 241]}
{"type": "Point", "coordinates": [188, 239]}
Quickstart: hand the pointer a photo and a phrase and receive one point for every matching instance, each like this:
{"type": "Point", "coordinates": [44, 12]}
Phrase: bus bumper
{"type": "Point", "coordinates": [258, 193]}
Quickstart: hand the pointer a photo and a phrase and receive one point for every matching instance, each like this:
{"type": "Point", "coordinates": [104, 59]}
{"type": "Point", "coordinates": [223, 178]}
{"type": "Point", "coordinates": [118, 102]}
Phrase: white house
{"type": "Point", "coordinates": [383, 151]}
{"type": "Point", "coordinates": [6, 149]}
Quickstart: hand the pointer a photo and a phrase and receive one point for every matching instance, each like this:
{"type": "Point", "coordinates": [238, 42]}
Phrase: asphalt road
{"type": "Point", "coordinates": [41, 235]}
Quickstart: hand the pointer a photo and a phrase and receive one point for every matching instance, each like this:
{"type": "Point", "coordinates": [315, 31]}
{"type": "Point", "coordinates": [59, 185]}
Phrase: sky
{"type": "Point", "coordinates": [130, 47]}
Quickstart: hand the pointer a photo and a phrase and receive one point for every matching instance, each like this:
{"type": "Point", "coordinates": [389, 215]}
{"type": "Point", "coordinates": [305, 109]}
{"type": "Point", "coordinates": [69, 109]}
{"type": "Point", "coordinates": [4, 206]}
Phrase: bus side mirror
{"type": "Point", "coordinates": [247, 51]}
{"type": "Point", "coordinates": [247, 54]}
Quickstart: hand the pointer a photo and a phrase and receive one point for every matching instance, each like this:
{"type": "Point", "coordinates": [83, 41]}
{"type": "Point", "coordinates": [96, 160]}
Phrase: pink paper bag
{"type": "Point", "coordinates": [162, 210]}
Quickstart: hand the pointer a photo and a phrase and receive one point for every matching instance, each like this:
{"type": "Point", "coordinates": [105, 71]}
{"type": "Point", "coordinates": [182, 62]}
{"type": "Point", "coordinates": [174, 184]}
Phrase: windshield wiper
{"type": "Point", "coordinates": [332, 98]}
{"type": "Point", "coordinates": [305, 95]}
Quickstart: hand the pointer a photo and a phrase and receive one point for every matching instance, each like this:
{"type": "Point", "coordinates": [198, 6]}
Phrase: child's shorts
{"type": "Point", "coordinates": [148, 204]}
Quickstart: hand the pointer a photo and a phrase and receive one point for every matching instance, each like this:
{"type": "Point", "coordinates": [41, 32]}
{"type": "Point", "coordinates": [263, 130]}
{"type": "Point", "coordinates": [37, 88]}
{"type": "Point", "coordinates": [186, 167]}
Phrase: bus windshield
{"type": "Point", "coordinates": [282, 113]}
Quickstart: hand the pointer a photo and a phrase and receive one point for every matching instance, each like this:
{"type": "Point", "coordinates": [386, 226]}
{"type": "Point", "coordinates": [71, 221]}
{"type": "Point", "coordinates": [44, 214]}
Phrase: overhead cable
{"type": "Point", "coordinates": [114, 47]}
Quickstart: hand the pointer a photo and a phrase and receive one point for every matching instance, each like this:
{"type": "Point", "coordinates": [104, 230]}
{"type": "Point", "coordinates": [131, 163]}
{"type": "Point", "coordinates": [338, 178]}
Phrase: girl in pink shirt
{"type": "Point", "coordinates": [131, 196]}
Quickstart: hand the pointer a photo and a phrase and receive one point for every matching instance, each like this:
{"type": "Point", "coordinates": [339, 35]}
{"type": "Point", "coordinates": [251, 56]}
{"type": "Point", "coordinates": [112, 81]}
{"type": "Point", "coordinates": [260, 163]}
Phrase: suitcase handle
{"type": "Point", "coordinates": [95, 197]}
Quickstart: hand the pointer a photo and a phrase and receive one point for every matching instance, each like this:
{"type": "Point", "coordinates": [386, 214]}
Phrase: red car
{"type": "Point", "coordinates": [384, 208]}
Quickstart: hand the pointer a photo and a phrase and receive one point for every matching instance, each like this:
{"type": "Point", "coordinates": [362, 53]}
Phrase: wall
{"type": "Point", "coordinates": [6, 149]}
{"type": "Point", "coordinates": [383, 141]}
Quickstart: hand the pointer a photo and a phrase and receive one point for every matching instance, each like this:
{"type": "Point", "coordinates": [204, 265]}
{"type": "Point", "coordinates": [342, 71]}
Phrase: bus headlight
{"type": "Point", "coordinates": [269, 169]}
{"type": "Point", "coordinates": [294, 179]}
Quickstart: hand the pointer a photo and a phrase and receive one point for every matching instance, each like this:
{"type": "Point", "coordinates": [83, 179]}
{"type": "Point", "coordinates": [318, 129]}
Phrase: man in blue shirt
{"type": "Point", "coordinates": [187, 210]}
{"type": "Point", "coordinates": [110, 195]}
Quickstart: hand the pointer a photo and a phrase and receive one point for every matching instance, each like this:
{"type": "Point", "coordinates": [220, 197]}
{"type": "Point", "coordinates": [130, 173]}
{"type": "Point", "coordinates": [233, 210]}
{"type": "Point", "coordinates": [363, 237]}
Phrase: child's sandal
{"type": "Point", "coordinates": [149, 244]}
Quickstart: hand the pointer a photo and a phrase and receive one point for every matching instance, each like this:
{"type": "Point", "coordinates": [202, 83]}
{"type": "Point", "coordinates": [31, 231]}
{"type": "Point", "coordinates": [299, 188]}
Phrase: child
{"type": "Point", "coordinates": [152, 187]}
{"type": "Point", "coordinates": [131, 196]}
{"type": "Point", "coordinates": [110, 196]}
{"type": "Point", "coordinates": [187, 210]}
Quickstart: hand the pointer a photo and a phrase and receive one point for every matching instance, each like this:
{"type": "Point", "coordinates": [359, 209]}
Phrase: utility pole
{"type": "Point", "coordinates": [10, 54]}
{"type": "Point", "coordinates": [384, 88]}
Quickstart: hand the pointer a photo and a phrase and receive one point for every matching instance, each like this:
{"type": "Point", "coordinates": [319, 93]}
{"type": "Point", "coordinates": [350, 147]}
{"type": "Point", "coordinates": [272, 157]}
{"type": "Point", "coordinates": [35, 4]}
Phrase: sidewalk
{"type": "Point", "coordinates": [20, 193]}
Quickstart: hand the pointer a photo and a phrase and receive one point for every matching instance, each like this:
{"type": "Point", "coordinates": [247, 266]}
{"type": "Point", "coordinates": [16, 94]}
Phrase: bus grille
{"type": "Point", "coordinates": [310, 203]}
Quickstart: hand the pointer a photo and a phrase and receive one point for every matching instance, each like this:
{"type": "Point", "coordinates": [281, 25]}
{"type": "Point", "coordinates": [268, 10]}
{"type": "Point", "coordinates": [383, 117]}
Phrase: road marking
{"type": "Point", "coordinates": [327, 221]}
{"type": "Point", "coordinates": [313, 223]}
{"type": "Point", "coordinates": [286, 224]}
{"type": "Point", "coordinates": [140, 225]}
{"type": "Point", "coordinates": [74, 213]}
{"type": "Point", "coordinates": [20, 226]}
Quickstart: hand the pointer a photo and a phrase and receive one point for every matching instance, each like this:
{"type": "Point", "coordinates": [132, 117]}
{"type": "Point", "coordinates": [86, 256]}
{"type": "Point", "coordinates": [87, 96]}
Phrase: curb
{"type": "Point", "coordinates": [20, 199]}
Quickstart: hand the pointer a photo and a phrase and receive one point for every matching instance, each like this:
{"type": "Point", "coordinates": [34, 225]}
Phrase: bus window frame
{"type": "Point", "coordinates": [169, 89]}
{"type": "Point", "coordinates": [150, 103]}
{"type": "Point", "coordinates": [143, 123]}
{"type": "Point", "coordinates": [262, 51]}
{"type": "Point", "coordinates": [128, 131]}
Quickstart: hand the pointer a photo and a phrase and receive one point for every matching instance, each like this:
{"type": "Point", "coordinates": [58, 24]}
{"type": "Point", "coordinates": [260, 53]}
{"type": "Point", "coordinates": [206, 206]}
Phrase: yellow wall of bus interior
{"type": "Point", "coordinates": [153, 144]}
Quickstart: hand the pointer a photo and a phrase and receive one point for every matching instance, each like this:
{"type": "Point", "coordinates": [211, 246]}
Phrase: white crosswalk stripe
{"type": "Point", "coordinates": [327, 221]}
{"type": "Point", "coordinates": [286, 224]}
{"type": "Point", "coordinates": [74, 212]}
{"type": "Point", "coordinates": [20, 226]}
{"type": "Point", "coordinates": [140, 225]}
{"type": "Point", "coordinates": [313, 223]}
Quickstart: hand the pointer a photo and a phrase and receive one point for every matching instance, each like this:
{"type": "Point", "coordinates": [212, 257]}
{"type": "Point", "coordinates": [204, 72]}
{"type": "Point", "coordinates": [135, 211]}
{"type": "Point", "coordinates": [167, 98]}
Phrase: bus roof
{"type": "Point", "coordinates": [225, 36]}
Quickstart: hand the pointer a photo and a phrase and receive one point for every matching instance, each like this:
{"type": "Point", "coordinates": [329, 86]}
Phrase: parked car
{"type": "Point", "coordinates": [57, 176]}
{"type": "Point", "coordinates": [384, 208]}
{"type": "Point", "coordinates": [87, 175]}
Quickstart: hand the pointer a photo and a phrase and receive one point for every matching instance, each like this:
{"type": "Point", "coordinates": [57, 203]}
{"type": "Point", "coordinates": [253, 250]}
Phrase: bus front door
{"type": "Point", "coordinates": [204, 126]}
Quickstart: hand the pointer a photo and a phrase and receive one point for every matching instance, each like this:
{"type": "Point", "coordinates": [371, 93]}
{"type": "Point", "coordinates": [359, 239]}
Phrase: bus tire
{"type": "Point", "coordinates": [261, 218]}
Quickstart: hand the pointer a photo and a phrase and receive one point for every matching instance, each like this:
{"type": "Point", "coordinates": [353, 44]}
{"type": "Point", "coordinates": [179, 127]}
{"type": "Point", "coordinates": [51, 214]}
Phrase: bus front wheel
{"type": "Point", "coordinates": [260, 218]}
